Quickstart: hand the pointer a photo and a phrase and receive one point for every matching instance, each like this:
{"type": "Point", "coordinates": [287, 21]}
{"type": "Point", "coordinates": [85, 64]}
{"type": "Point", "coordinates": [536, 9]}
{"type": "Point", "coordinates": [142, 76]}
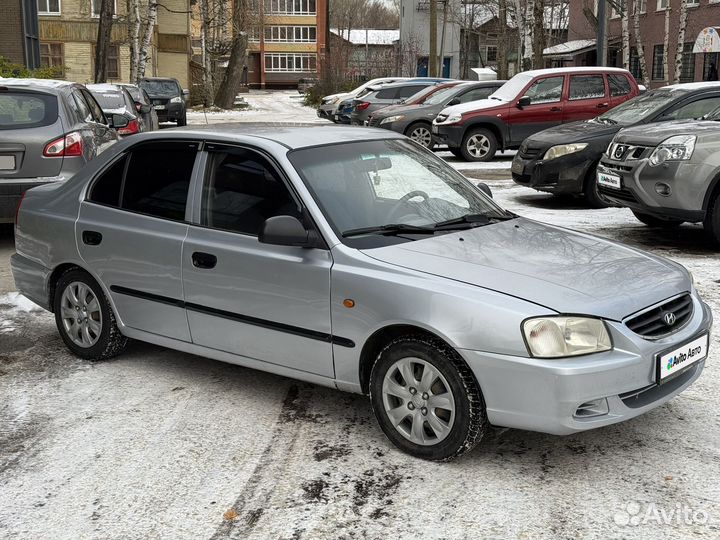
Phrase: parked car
{"type": "Point", "coordinates": [666, 175]}
{"type": "Point", "coordinates": [378, 97]}
{"type": "Point", "coordinates": [143, 105]}
{"type": "Point", "coordinates": [115, 99]}
{"type": "Point", "coordinates": [563, 159]}
{"type": "Point", "coordinates": [329, 106]}
{"type": "Point", "coordinates": [168, 98]}
{"type": "Point", "coordinates": [528, 103]}
{"type": "Point", "coordinates": [415, 121]}
{"type": "Point", "coordinates": [48, 131]}
{"type": "Point", "coordinates": [306, 84]}
{"type": "Point", "coordinates": [353, 258]}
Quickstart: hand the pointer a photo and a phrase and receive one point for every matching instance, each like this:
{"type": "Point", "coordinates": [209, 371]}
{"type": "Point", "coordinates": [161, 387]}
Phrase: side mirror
{"type": "Point", "coordinates": [145, 109]}
{"type": "Point", "coordinates": [453, 101]}
{"type": "Point", "coordinates": [482, 186]}
{"type": "Point", "coordinates": [118, 121]}
{"type": "Point", "coordinates": [285, 231]}
{"type": "Point", "coordinates": [524, 102]}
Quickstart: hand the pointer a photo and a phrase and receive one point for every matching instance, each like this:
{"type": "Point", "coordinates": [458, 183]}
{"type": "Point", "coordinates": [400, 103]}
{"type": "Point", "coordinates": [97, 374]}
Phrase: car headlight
{"type": "Point", "coordinates": [677, 148]}
{"type": "Point", "coordinates": [391, 119]}
{"type": "Point", "coordinates": [563, 150]}
{"type": "Point", "coordinates": [559, 337]}
{"type": "Point", "coordinates": [451, 119]}
{"type": "Point", "coordinates": [176, 99]}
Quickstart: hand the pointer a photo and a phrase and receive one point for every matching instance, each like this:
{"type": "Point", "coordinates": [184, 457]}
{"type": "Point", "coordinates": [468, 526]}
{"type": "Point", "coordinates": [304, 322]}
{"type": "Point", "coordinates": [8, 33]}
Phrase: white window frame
{"type": "Point", "coordinates": [274, 34]}
{"type": "Point", "coordinates": [660, 6]}
{"type": "Point", "coordinates": [97, 15]}
{"type": "Point", "coordinates": [694, 3]}
{"type": "Point", "coordinates": [287, 7]}
{"type": "Point", "coordinates": [47, 5]}
{"type": "Point", "coordinates": [642, 4]}
{"type": "Point", "coordinates": [279, 62]}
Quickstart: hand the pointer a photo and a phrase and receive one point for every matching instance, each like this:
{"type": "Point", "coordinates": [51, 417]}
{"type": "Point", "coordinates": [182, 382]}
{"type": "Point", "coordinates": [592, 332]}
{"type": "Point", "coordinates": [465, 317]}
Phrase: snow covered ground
{"type": "Point", "coordinates": [163, 445]}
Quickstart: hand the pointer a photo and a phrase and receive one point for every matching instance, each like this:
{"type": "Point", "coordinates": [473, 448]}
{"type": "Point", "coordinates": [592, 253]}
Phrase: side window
{"type": "Point", "coordinates": [388, 93]}
{"type": "Point", "coordinates": [586, 87]}
{"type": "Point", "coordinates": [242, 189]}
{"type": "Point", "coordinates": [547, 90]}
{"type": "Point", "coordinates": [82, 106]}
{"type": "Point", "coordinates": [477, 93]}
{"type": "Point", "coordinates": [694, 109]}
{"type": "Point", "coordinates": [407, 91]}
{"type": "Point", "coordinates": [95, 110]}
{"type": "Point", "coordinates": [106, 189]}
{"type": "Point", "coordinates": [619, 85]}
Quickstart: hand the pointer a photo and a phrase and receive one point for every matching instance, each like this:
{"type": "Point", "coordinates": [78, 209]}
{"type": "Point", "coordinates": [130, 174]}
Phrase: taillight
{"type": "Point", "coordinates": [362, 106]}
{"type": "Point", "coordinates": [132, 127]}
{"type": "Point", "coordinates": [67, 146]}
{"type": "Point", "coordinates": [17, 210]}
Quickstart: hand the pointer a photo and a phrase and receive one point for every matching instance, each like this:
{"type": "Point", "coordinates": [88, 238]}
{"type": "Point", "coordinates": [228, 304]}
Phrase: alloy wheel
{"type": "Point", "coordinates": [422, 136]}
{"type": "Point", "coordinates": [478, 145]}
{"type": "Point", "coordinates": [81, 314]}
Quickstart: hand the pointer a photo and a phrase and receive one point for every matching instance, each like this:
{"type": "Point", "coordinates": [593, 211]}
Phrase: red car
{"type": "Point", "coordinates": [528, 103]}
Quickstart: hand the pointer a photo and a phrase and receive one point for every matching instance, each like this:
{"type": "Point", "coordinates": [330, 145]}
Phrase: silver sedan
{"type": "Point", "coordinates": [356, 259]}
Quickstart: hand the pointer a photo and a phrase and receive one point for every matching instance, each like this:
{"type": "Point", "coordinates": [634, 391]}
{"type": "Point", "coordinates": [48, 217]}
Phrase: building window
{"type": "Point", "coordinates": [290, 7]}
{"type": "Point", "coordinates": [51, 55]}
{"type": "Point", "coordinates": [642, 4]}
{"type": "Point", "coordinates": [658, 69]}
{"type": "Point", "coordinates": [693, 3]}
{"type": "Point", "coordinates": [634, 66]}
{"type": "Point", "coordinates": [291, 34]}
{"type": "Point", "coordinates": [662, 4]}
{"type": "Point", "coordinates": [490, 54]}
{"type": "Point", "coordinates": [48, 7]}
{"type": "Point", "coordinates": [113, 62]}
{"type": "Point", "coordinates": [302, 62]}
{"type": "Point", "coordinates": [710, 60]}
{"type": "Point", "coordinates": [97, 5]}
{"type": "Point", "coordinates": [687, 73]}
{"type": "Point", "coordinates": [254, 34]}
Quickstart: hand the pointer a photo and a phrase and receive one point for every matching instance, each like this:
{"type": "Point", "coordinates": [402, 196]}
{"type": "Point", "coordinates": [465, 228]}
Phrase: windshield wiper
{"type": "Point", "coordinates": [390, 228]}
{"type": "Point", "coordinates": [469, 220]}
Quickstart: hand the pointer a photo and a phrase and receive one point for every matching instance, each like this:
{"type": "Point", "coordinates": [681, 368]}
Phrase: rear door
{"type": "Point", "coordinates": [29, 120]}
{"type": "Point", "coordinates": [545, 109]}
{"type": "Point", "coordinates": [587, 97]}
{"type": "Point", "coordinates": [130, 232]}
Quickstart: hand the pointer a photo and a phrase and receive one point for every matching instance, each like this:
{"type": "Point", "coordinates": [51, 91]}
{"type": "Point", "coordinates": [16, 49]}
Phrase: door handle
{"type": "Point", "coordinates": [602, 105]}
{"type": "Point", "coordinates": [203, 260]}
{"type": "Point", "coordinates": [91, 238]}
{"type": "Point", "coordinates": [555, 109]}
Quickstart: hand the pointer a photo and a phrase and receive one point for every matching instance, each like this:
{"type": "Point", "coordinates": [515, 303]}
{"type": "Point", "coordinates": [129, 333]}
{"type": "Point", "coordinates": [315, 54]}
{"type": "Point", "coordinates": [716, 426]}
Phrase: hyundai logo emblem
{"type": "Point", "coordinates": [669, 318]}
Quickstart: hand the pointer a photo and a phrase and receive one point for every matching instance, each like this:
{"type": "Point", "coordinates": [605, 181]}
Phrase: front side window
{"type": "Point", "coordinates": [407, 91]}
{"type": "Point", "coordinates": [547, 90]}
{"type": "Point", "coordinates": [242, 189]}
{"type": "Point", "coordinates": [476, 94]}
{"type": "Point", "coordinates": [586, 87]}
{"type": "Point", "coordinates": [641, 107]}
{"type": "Point", "coordinates": [695, 109]}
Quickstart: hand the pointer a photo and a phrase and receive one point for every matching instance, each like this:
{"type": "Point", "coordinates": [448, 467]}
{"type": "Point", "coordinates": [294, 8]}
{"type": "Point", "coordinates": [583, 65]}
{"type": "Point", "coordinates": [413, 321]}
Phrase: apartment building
{"type": "Point", "coordinates": [69, 29]}
{"type": "Point", "coordinates": [19, 39]}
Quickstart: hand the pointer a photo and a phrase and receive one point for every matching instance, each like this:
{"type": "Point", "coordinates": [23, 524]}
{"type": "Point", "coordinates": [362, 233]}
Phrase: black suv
{"type": "Point", "coordinates": [563, 159]}
{"type": "Point", "coordinates": [168, 98]}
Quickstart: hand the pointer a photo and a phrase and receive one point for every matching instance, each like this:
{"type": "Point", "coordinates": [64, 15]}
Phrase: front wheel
{"type": "Point", "coordinates": [712, 219]}
{"type": "Point", "coordinates": [84, 317]}
{"type": "Point", "coordinates": [652, 221]}
{"type": "Point", "coordinates": [479, 145]}
{"type": "Point", "coordinates": [182, 121]}
{"type": "Point", "coordinates": [590, 190]}
{"type": "Point", "coordinates": [420, 133]}
{"type": "Point", "coordinates": [426, 400]}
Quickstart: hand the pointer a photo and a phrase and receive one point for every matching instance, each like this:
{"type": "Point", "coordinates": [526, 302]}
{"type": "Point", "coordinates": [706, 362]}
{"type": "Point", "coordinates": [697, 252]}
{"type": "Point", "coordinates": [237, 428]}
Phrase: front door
{"type": "Point", "coordinates": [266, 302]}
{"type": "Point", "coordinates": [130, 233]}
{"type": "Point", "coordinates": [545, 109]}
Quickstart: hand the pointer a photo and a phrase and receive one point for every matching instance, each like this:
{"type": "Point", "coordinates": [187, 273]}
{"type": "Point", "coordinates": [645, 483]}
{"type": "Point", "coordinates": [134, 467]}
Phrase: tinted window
{"type": "Point", "coordinates": [619, 85]}
{"type": "Point", "coordinates": [19, 110]}
{"type": "Point", "coordinates": [106, 189]}
{"type": "Point", "coordinates": [407, 91]}
{"type": "Point", "coordinates": [548, 90]}
{"type": "Point", "coordinates": [587, 86]}
{"type": "Point", "coordinates": [95, 110]}
{"type": "Point", "coordinates": [388, 93]}
{"type": "Point", "coordinates": [83, 108]}
{"type": "Point", "coordinates": [477, 93]}
{"type": "Point", "coordinates": [694, 109]}
{"type": "Point", "coordinates": [110, 100]}
{"type": "Point", "coordinates": [241, 191]}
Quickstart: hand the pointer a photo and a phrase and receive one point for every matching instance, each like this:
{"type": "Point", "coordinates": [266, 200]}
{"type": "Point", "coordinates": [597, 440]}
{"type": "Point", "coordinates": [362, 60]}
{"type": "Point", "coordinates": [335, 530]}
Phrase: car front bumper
{"type": "Point", "coordinates": [546, 395]}
{"type": "Point", "coordinates": [565, 174]}
{"type": "Point", "coordinates": [171, 112]}
{"type": "Point", "coordinates": [451, 135]}
{"type": "Point", "coordinates": [688, 183]}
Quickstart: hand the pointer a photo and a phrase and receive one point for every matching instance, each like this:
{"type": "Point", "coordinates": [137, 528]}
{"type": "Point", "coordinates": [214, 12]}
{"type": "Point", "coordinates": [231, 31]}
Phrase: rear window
{"type": "Point", "coordinates": [388, 93]}
{"type": "Point", "coordinates": [19, 110]}
{"type": "Point", "coordinates": [619, 85]}
{"type": "Point", "coordinates": [110, 100]}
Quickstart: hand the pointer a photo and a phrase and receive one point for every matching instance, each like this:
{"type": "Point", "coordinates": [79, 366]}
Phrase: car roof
{"type": "Point", "coordinates": [292, 136]}
{"type": "Point", "coordinates": [706, 85]}
{"type": "Point", "coordinates": [405, 83]}
{"type": "Point", "coordinates": [582, 69]}
{"type": "Point", "coordinates": [158, 79]}
{"type": "Point", "coordinates": [105, 87]}
{"type": "Point", "coordinates": [36, 84]}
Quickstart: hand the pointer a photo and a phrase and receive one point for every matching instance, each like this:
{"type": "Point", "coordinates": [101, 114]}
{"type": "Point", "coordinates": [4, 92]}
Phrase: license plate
{"type": "Point", "coordinates": [159, 107]}
{"type": "Point", "coordinates": [7, 163]}
{"type": "Point", "coordinates": [678, 360]}
{"type": "Point", "coordinates": [517, 167]}
{"type": "Point", "coordinates": [609, 180]}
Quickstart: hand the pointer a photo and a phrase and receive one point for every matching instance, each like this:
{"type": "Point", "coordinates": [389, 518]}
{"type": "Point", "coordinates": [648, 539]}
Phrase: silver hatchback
{"type": "Point", "coordinates": [356, 259]}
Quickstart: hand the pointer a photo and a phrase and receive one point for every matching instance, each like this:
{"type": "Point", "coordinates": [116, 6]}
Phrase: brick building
{"type": "Point", "coordinates": [19, 38]}
{"type": "Point", "coordinates": [701, 45]}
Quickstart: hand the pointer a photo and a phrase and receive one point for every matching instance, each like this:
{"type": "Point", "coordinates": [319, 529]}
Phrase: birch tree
{"type": "Point", "coordinates": [682, 25]}
{"type": "Point", "coordinates": [666, 43]}
{"type": "Point", "coordinates": [144, 52]}
{"type": "Point", "coordinates": [639, 43]}
{"type": "Point", "coordinates": [134, 24]}
{"type": "Point", "coordinates": [625, 33]}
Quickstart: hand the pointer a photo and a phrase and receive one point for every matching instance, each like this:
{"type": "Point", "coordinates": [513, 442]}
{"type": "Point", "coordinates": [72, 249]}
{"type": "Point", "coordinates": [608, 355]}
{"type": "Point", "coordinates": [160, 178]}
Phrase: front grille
{"type": "Point", "coordinates": [374, 121]}
{"type": "Point", "coordinates": [528, 152]}
{"type": "Point", "coordinates": [624, 152]}
{"type": "Point", "coordinates": [622, 194]}
{"type": "Point", "coordinates": [616, 167]}
{"type": "Point", "coordinates": [664, 319]}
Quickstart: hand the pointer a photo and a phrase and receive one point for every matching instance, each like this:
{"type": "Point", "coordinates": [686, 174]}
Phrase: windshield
{"type": "Point", "coordinates": [442, 96]}
{"type": "Point", "coordinates": [161, 88]}
{"type": "Point", "coordinates": [511, 89]}
{"type": "Point", "coordinates": [110, 100]}
{"type": "Point", "coordinates": [639, 108]}
{"type": "Point", "coordinates": [372, 184]}
{"type": "Point", "coordinates": [418, 97]}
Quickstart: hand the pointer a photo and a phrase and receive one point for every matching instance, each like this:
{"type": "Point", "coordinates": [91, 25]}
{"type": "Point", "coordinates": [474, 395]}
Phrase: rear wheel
{"type": "Point", "coordinates": [712, 219]}
{"type": "Point", "coordinates": [426, 400]}
{"type": "Point", "coordinates": [652, 221]}
{"type": "Point", "coordinates": [84, 317]}
{"type": "Point", "coordinates": [479, 145]}
{"type": "Point", "coordinates": [420, 133]}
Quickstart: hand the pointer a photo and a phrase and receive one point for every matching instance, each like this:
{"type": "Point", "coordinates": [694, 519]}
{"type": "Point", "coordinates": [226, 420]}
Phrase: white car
{"type": "Point", "coordinates": [329, 106]}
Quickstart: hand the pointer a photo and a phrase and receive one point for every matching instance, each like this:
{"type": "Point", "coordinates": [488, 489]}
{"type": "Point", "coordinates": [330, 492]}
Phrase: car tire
{"type": "Point", "coordinates": [478, 145]}
{"type": "Point", "coordinates": [711, 224]}
{"type": "Point", "coordinates": [182, 121]}
{"type": "Point", "coordinates": [94, 334]}
{"type": "Point", "coordinates": [404, 408]}
{"type": "Point", "coordinates": [652, 221]}
{"type": "Point", "coordinates": [590, 190]}
{"type": "Point", "coordinates": [421, 133]}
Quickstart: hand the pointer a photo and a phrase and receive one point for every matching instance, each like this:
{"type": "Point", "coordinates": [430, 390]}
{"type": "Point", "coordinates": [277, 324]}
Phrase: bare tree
{"type": "Point", "coordinates": [103, 40]}
{"type": "Point", "coordinates": [666, 44]}
{"type": "Point", "coordinates": [538, 33]}
{"type": "Point", "coordinates": [225, 96]}
{"type": "Point", "coordinates": [134, 25]}
{"type": "Point", "coordinates": [144, 52]}
{"type": "Point", "coordinates": [625, 32]}
{"type": "Point", "coordinates": [639, 43]}
{"type": "Point", "coordinates": [682, 25]}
